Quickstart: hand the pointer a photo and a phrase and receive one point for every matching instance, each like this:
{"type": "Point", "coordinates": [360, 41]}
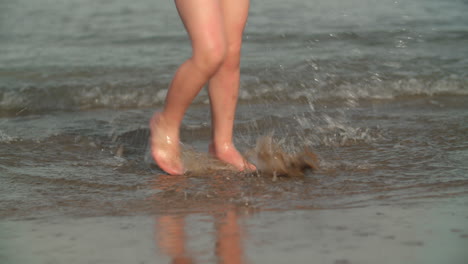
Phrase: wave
{"type": "Point", "coordinates": [33, 99]}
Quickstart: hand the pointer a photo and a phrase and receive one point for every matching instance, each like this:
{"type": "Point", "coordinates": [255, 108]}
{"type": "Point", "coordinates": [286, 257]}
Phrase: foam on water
{"type": "Point", "coordinates": [34, 98]}
{"type": "Point", "coordinates": [4, 138]}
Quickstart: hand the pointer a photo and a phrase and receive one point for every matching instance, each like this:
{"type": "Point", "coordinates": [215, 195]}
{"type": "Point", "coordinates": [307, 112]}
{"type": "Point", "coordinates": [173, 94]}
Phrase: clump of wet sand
{"type": "Point", "coordinates": [199, 164]}
{"type": "Point", "coordinates": [269, 156]}
{"type": "Point", "coordinates": [272, 159]}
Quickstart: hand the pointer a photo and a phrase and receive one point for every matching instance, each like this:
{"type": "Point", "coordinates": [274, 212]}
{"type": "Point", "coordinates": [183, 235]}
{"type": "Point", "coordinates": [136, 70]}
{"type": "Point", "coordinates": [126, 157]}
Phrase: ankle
{"type": "Point", "coordinates": [221, 146]}
{"type": "Point", "coordinates": [167, 123]}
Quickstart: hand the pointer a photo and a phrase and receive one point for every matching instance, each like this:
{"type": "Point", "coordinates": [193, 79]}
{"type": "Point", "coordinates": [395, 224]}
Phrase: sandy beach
{"type": "Point", "coordinates": [421, 231]}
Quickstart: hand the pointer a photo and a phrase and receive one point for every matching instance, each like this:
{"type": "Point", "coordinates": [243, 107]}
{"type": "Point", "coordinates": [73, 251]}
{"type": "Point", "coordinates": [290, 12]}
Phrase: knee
{"type": "Point", "coordinates": [232, 58]}
{"type": "Point", "coordinates": [209, 56]}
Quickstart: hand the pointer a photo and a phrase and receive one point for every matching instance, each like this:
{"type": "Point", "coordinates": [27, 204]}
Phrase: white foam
{"type": "Point", "coordinates": [4, 138]}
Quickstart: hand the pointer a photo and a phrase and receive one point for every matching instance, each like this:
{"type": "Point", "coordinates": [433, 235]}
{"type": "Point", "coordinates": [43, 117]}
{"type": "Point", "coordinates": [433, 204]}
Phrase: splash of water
{"type": "Point", "coordinates": [271, 158]}
{"type": "Point", "coordinates": [269, 155]}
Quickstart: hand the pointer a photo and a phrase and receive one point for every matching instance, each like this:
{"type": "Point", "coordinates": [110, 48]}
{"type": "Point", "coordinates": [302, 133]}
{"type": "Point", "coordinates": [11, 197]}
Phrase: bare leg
{"type": "Point", "coordinates": [224, 86]}
{"type": "Point", "coordinates": [204, 24]}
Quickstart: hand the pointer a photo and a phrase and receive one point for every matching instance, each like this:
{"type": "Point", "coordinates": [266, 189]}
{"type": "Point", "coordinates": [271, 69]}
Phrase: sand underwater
{"type": "Point", "coordinates": [355, 113]}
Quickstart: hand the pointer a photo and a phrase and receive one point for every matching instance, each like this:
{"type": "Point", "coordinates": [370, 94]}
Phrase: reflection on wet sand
{"type": "Point", "coordinates": [171, 237]}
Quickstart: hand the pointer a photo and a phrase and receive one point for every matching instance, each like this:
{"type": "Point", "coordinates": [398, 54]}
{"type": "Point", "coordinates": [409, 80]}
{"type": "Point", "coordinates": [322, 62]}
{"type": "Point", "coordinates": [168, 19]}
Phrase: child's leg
{"type": "Point", "coordinates": [224, 85]}
{"type": "Point", "coordinates": [204, 24]}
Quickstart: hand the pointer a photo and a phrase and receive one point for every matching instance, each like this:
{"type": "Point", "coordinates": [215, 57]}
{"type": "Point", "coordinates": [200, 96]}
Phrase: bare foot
{"type": "Point", "coordinates": [165, 146]}
{"type": "Point", "coordinates": [229, 154]}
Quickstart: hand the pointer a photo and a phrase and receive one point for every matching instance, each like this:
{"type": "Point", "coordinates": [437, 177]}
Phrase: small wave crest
{"type": "Point", "coordinates": [33, 99]}
{"type": "Point", "coordinates": [4, 138]}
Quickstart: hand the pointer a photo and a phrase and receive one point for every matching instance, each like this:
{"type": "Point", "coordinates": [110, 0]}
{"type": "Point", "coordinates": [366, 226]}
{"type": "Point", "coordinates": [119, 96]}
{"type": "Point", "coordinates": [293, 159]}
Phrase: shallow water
{"type": "Point", "coordinates": [377, 89]}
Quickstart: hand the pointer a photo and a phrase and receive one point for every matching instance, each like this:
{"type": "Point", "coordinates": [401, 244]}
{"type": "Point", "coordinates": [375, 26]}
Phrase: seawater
{"type": "Point", "coordinates": [377, 89]}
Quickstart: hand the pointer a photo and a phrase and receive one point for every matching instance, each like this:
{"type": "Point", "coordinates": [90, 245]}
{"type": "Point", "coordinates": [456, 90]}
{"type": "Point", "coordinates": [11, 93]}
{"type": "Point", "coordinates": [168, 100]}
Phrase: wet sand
{"type": "Point", "coordinates": [420, 231]}
{"type": "Point", "coordinates": [396, 193]}
{"type": "Point", "coordinates": [393, 190]}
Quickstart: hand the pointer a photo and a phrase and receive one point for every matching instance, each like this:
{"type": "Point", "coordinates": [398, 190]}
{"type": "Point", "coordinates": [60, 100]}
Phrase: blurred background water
{"type": "Point", "coordinates": [70, 55]}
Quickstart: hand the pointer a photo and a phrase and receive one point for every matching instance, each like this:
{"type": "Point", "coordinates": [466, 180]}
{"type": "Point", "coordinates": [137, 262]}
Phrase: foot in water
{"type": "Point", "coordinates": [165, 147]}
{"type": "Point", "coordinates": [229, 154]}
